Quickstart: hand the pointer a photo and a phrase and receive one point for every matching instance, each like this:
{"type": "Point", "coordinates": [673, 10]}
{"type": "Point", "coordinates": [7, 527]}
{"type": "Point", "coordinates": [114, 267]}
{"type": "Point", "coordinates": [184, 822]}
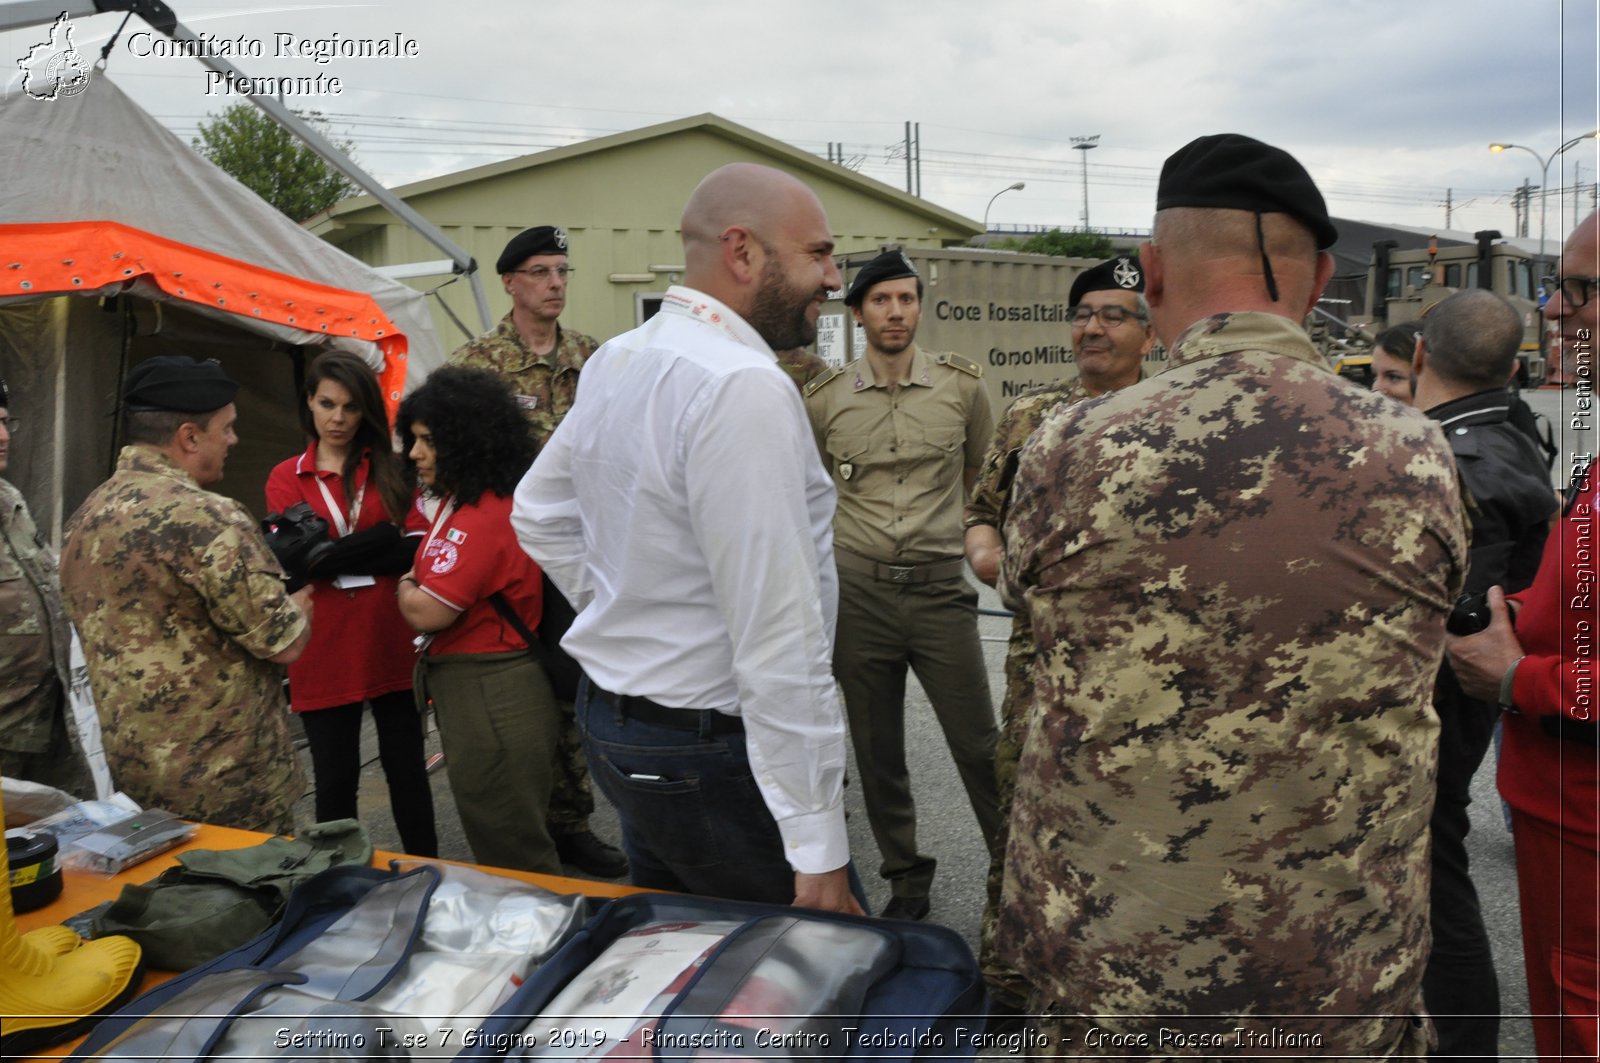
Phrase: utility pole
{"type": "Point", "coordinates": [914, 158]}
{"type": "Point", "coordinates": [1524, 206]}
{"type": "Point", "coordinates": [1447, 208]}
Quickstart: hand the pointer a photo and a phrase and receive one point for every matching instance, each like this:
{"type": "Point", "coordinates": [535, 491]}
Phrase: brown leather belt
{"type": "Point", "coordinates": [926, 572]}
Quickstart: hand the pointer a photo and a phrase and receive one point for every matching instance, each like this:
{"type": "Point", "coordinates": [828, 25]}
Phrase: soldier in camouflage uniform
{"type": "Point", "coordinates": [1110, 356]}
{"type": "Point", "coordinates": [36, 742]}
{"type": "Point", "coordinates": [539, 358]}
{"type": "Point", "coordinates": [803, 365]}
{"type": "Point", "coordinates": [1238, 574]}
{"type": "Point", "coordinates": [183, 613]}
{"type": "Point", "coordinates": [542, 360]}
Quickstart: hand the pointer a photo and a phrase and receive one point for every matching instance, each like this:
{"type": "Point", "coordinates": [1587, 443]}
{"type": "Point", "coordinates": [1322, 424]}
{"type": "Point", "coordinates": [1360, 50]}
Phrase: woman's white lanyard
{"type": "Point", "coordinates": [447, 506]}
{"type": "Point", "coordinates": [343, 527]}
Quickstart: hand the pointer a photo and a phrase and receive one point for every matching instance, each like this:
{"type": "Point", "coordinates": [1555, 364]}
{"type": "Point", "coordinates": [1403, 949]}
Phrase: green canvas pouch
{"type": "Point", "coordinates": [182, 924]}
{"type": "Point", "coordinates": [218, 899]}
{"type": "Point", "coordinates": [282, 864]}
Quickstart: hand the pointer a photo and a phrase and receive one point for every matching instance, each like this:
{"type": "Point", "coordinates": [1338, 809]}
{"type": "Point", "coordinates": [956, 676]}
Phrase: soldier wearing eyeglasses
{"type": "Point", "coordinates": [1111, 336]}
{"type": "Point", "coordinates": [902, 431]}
{"type": "Point", "coordinates": [529, 347]}
{"type": "Point", "coordinates": [542, 360]}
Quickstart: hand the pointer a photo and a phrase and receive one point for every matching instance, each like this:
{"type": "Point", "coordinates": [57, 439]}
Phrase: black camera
{"type": "Point", "coordinates": [1470, 615]}
{"type": "Point", "coordinates": [299, 540]}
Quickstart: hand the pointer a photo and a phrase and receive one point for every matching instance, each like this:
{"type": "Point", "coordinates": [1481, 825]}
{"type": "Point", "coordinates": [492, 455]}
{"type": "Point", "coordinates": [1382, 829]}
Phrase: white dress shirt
{"type": "Point", "coordinates": [683, 508]}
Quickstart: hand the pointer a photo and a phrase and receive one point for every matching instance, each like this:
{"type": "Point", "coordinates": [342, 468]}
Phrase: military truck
{"type": "Point", "coordinates": [1403, 285]}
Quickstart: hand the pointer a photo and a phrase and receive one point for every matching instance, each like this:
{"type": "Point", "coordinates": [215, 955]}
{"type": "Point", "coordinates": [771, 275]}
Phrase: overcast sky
{"type": "Point", "coordinates": [1390, 105]}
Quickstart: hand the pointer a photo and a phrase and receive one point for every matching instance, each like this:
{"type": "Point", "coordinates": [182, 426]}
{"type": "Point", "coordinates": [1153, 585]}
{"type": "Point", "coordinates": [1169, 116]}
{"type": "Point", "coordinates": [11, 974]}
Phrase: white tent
{"type": "Point", "coordinates": [119, 242]}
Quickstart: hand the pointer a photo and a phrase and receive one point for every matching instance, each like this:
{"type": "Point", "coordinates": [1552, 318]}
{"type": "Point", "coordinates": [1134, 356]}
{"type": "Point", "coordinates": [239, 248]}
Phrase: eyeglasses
{"type": "Point", "coordinates": [1574, 290]}
{"type": "Point", "coordinates": [10, 424]}
{"type": "Point", "coordinates": [543, 273]}
{"type": "Point", "coordinates": [1110, 316]}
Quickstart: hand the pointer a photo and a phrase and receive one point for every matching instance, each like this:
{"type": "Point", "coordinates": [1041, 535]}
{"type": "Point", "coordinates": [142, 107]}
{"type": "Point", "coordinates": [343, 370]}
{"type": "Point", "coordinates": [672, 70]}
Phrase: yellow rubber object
{"type": "Point", "coordinates": [53, 984]}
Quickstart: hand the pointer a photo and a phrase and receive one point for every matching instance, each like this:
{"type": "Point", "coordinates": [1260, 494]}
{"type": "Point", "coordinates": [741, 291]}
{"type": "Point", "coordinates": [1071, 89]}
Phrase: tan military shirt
{"type": "Point", "coordinates": [545, 386]}
{"type": "Point", "coordinates": [898, 455]}
{"type": "Point", "coordinates": [1238, 573]}
{"type": "Point", "coordinates": [179, 603]}
{"type": "Point", "coordinates": [34, 638]}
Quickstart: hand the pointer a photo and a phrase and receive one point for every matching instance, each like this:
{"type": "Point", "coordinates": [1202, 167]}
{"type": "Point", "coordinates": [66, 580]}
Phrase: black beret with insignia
{"type": "Point", "coordinates": [889, 266]}
{"type": "Point", "coordinates": [1120, 274]}
{"type": "Point", "coordinates": [178, 383]}
{"type": "Point", "coordinates": [539, 240]}
{"type": "Point", "coordinates": [1230, 170]}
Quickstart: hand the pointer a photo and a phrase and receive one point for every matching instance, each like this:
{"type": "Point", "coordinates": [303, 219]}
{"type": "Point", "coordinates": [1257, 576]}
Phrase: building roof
{"type": "Point", "coordinates": [787, 156]}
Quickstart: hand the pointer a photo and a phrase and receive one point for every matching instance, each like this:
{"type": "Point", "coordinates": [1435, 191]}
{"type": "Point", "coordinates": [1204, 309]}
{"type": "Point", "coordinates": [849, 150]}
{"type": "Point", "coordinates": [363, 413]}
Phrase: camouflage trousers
{"type": "Point", "coordinates": [572, 798]}
{"type": "Point", "coordinates": [61, 764]}
{"type": "Point", "coordinates": [1007, 987]}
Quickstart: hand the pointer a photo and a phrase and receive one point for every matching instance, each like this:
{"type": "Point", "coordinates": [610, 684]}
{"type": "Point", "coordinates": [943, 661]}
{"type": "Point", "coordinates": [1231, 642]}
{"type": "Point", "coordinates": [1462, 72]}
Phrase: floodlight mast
{"type": "Point", "coordinates": [162, 18]}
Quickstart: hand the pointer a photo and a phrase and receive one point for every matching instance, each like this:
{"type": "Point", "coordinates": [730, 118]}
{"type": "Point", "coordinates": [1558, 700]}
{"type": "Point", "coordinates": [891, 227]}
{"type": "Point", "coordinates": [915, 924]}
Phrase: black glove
{"type": "Point", "coordinates": [379, 551]}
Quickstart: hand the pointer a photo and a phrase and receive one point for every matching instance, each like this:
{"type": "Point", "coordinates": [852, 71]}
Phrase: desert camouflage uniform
{"type": "Point", "coordinates": [545, 387]}
{"type": "Point", "coordinates": [987, 505]}
{"type": "Point", "coordinates": [1238, 574]}
{"type": "Point", "coordinates": [802, 365]}
{"type": "Point", "coordinates": [35, 742]}
{"type": "Point", "coordinates": [179, 603]}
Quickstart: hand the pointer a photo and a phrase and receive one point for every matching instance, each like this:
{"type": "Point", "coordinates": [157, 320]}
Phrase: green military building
{"type": "Point", "coordinates": [619, 198]}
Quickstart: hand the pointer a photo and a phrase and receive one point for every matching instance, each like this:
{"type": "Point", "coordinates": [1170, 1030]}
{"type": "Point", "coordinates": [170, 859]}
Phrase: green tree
{"type": "Point", "coordinates": [1067, 244]}
{"type": "Point", "coordinates": [271, 161]}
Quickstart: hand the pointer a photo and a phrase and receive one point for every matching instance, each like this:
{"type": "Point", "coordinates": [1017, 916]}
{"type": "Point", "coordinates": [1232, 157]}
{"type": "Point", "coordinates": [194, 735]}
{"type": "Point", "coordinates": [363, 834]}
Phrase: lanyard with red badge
{"type": "Point", "coordinates": [342, 526]}
{"type": "Point", "coordinates": [713, 314]}
{"type": "Point", "coordinates": [447, 506]}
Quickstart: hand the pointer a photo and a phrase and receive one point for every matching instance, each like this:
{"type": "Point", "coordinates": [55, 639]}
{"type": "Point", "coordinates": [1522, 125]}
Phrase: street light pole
{"type": "Point", "coordinates": [1544, 179]}
{"type": "Point", "coordinates": [1016, 187]}
{"type": "Point", "coordinates": [1085, 145]}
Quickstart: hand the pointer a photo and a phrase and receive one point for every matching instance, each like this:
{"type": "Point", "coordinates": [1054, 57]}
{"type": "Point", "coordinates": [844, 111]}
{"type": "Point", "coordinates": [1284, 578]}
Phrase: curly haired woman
{"type": "Point", "coordinates": [498, 718]}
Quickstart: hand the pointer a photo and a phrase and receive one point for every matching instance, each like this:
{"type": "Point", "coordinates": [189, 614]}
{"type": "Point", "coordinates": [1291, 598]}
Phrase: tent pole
{"type": "Point", "coordinates": [58, 445]}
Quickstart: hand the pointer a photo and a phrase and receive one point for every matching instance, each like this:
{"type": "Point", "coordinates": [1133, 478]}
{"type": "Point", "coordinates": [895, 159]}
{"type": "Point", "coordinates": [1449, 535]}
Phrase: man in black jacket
{"type": "Point", "coordinates": [1463, 362]}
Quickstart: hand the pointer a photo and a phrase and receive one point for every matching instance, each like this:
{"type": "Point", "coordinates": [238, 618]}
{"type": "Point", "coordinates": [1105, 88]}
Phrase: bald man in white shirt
{"type": "Point", "coordinates": [683, 508]}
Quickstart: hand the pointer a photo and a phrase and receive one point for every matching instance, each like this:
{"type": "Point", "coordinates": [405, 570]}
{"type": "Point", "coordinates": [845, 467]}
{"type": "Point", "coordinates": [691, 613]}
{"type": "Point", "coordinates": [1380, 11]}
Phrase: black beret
{"type": "Point", "coordinates": [889, 266]}
{"type": "Point", "coordinates": [1114, 274]}
{"type": "Point", "coordinates": [1233, 171]}
{"type": "Point", "coordinates": [178, 383]}
{"type": "Point", "coordinates": [539, 240]}
{"type": "Point", "coordinates": [5, 396]}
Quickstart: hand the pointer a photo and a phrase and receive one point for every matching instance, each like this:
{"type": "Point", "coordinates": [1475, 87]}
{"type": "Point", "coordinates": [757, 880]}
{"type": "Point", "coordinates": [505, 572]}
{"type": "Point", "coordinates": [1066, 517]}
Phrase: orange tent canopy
{"type": "Point", "coordinates": [51, 258]}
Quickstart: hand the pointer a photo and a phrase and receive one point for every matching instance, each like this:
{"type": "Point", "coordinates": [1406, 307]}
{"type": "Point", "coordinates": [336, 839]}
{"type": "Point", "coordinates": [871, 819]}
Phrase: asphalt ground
{"type": "Point", "coordinates": [948, 830]}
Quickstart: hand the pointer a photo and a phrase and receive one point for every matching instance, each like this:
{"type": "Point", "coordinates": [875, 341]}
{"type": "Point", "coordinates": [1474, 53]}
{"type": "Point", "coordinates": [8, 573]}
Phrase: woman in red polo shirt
{"type": "Point", "coordinates": [498, 718]}
{"type": "Point", "coordinates": [360, 651]}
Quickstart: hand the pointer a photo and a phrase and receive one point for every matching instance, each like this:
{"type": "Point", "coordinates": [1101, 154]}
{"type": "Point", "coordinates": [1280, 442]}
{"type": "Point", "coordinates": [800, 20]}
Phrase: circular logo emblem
{"type": "Point", "coordinates": [68, 73]}
{"type": "Point", "coordinates": [1125, 273]}
{"type": "Point", "coordinates": [445, 558]}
